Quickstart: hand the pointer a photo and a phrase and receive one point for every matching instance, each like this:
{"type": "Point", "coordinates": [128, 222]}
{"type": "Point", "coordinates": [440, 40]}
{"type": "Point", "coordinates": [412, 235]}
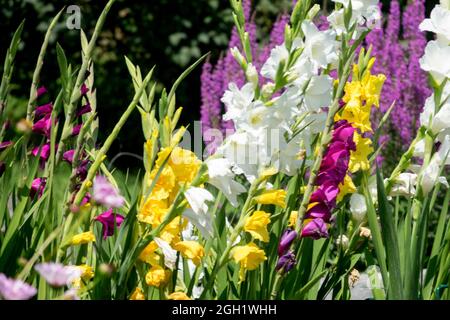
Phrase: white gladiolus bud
{"type": "Point", "coordinates": [342, 240]}
{"type": "Point", "coordinates": [404, 185]}
{"type": "Point", "coordinates": [267, 90]}
{"type": "Point", "coordinates": [358, 207]}
{"type": "Point", "coordinates": [445, 4]}
{"type": "Point", "coordinates": [239, 57]}
{"type": "Point", "coordinates": [313, 12]}
{"type": "Point", "coordinates": [252, 74]}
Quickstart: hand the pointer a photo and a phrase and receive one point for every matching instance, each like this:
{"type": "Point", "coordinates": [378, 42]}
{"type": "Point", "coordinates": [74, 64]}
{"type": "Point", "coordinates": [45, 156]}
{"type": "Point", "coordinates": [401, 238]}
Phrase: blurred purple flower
{"type": "Point", "coordinates": [316, 229]}
{"type": "Point", "coordinates": [84, 89]}
{"type": "Point", "coordinates": [109, 219]}
{"type": "Point", "coordinates": [84, 109]}
{"type": "Point", "coordinates": [76, 129]}
{"type": "Point", "coordinates": [37, 187]}
{"type": "Point", "coordinates": [5, 144]}
{"type": "Point", "coordinates": [45, 151]}
{"type": "Point", "coordinates": [40, 91]}
{"type": "Point", "coordinates": [68, 156]}
{"type": "Point", "coordinates": [12, 289]}
{"type": "Point", "coordinates": [43, 110]}
{"type": "Point", "coordinates": [106, 194]}
{"type": "Point", "coordinates": [58, 275]}
{"type": "Point", "coordinates": [43, 126]}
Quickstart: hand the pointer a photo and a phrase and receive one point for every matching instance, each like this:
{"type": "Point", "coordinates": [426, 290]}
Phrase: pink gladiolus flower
{"type": "Point", "coordinates": [37, 187]}
{"type": "Point", "coordinates": [84, 89]}
{"type": "Point", "coordinates": [40, 91]}
{"type": "Point", "coordinates": [109, 219]}
{"type": "Point", "coordinates": [11, 289]}
{"type": "Point", "coordinates": [43, 110]}
{"type": "Point", "coordinates": [5, 144]}
{"type": "Point", "coordinates": [45, 151]}
{"type": "Point", "coordinates": [316, 229]}
{"type": "Point", "coordinates": [68, 156]}
{"type": "Point", "coordinates": [84, 109]}
{"type": "Point", "coordinates": [56, 274]}
{"type": "Point", "coordinates": [76, 130]}
{"type": "Point", "coordinates": [105, 194]}
{"type": "Point", "coordinates": [43, 126]}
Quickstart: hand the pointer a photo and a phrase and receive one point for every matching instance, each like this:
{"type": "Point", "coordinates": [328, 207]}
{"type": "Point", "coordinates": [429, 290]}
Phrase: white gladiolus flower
{"type": "Point", "coordinates": [237, 100]}
{"type": "Point", "coordinates": [436, 61]}
{"type": "Point", "coordinates": [404, 185]}
{"type": "Point", "coordinates": [439, 23]}
{"type": "Point", "coordinates": [431, 172]}
{"type": "Point", "coordinates": [439, 121]}
{"type": "Point", "coordinates": [358, 207]}
{"type": "Point", "coordinates": [277, 55]}
{"type": "Point", "coordinates": [319, 92]}
{"type": "Point", "coordinates": [320, 46]}
{"type": "Point", "coordinates": [170, 255]}
{"type": "Point", "coordinates": [221, 176]}
{"type": "Point", "coordinates": [198, 215]}
{"type": "Point", "coordinates": [363, 12]}
{"type": "Point", "coordinates": [445, 4]}
{"type": "Point", "coordinates": [419, 149]}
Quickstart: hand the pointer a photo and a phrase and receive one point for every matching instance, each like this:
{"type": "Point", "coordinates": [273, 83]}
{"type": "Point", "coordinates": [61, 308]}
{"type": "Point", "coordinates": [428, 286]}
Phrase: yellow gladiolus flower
{"type": "Point", "coordinates": [153, 212]}
{"type": "Point", "coordinates": [165, 183]}
{"type": "Point", "coordinates": [149, 254]}
{"type": "Point", "coordinates": [249, 257]}
{"type": "Point", "coordinates": [346, 187]}
{"type": "Point", "coordinates": [171, 232]}
{"type": "Point", "coordinates": [191, 250]}
{"type": "Point", "coordinates": [372, 88]}
{"type": "Point", "coordinates": [83, 238]}
{"type": "Point", "coordinates": [293, 219]}
{"type": "Point", "coordinates": [359, 158]}
{"type": "Point", "coordinates": [256, 225]}
{"type": "Point", "coordinates": [157, 276]}
{"type": "Point", "coordinates": [138, 294]}
{"type": "Point", "coordinates": [185, 164]}
{"type": "Point", "coordinates": [276, 197]}
{"type": "Point", "coordinates": [87, 273]}
{"type": "Point", "coordinates": [178, 296]}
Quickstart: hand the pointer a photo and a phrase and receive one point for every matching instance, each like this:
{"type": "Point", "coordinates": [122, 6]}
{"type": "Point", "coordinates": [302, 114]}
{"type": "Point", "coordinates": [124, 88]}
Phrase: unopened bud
{"type": "Point", "coordinates": [353, 277]}
{"type": "Point", "coordinates": [252, 74]}
{"type": "Point", "coordinates": [239, 57]}
{"type": "Point", "coordinates": [365, 232]}
{"type": "Point", "coordinates": [267, 90]}
{"type": "Point", "coordinates": [313, 12]}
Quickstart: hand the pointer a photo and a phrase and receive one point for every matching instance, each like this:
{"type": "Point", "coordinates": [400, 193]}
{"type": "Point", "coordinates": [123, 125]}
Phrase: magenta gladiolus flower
{"type": "Point", "coordinates": [43, 126]}
{"type": "Point", "coordinates": [68, 156]}
{"type": "Point", "coordinates": [106, 194]}
{"type": "Point", "coordinates": [58, 275]}
{"type": "Point", "coordinates": [316, 229]}
{"type": "Point", "coordinates": [40, 91]}
{"type": "Point", "coordinates": [109, 219]}
{"type": "Point", "coordinates": [43, 110]}
{"type": "Point", "coordinates": [84, 109]}
{"type": "Point", "coordinates": [286, 240]}
{"type": "Point", "coordinates": [12, 289]}
{"type": "Point", "coordinates": [45, 151]}
{"type": "Point", "coordinates": [37, 187]}
{"type": "Point", "coordinates": [5, 144]}
{"type": "Point", "coordinates": [76, 130]}
{"type": "Point", "coordinates": [84, 89]}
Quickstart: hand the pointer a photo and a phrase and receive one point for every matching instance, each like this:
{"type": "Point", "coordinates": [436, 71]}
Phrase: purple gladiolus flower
{"type": "Point", "coordinates": [40, 91]}
{"type": "Point", "coordinates": [316, 229]}
{"type": "Point", "coordinates": [43, 126]}
{"type": "Point", "coordinates": [76, 130]}
{"type": "Point", "coordinates": [84, 109]}
{"type": "Point", "coordinates": [45, 151]}
{"type": "Point", "coordinates": [106, 194]}
{"type": "Point", "coordinates": [58, 275]}
{"type": "Point", "coordinates": [43, 110]}
{"type": "Point", "coordinates": [286, 240]}
{"type": "Point", "coordinates": [5, 144]}
{"type": "Point", "coordinates": [326, 193]}
{"type": "Point", "coordinates": [68, 156]}
{"type": "Point", "coordinates": [286, 262]}
{"type": "Point", "coordinates": [37, 187]}
{"type": "Point", "coordinates": [12, 289]}
{"type": "Point", "coordinates": [84, 89]}
{"type": "Point", "coordinates": [109, 219]}
{"type": "Point", "coordinates": [82, 169]}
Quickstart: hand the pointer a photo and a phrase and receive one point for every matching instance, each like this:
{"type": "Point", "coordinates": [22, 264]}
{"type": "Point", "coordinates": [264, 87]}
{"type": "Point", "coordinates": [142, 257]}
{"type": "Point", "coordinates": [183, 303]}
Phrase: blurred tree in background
{"type": "Point", "coordinates": [170, 34]}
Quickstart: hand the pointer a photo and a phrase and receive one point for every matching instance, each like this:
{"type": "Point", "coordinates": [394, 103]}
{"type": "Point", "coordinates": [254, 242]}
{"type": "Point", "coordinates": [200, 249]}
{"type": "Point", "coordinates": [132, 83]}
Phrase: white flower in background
{"type": "Point", "coordinates": [221, 176]}
{"type": "Point", "coordinates": [419, 149]}
{"type": "Point", "coordinates": [363, 11]}
{"type": "Point", "coordinates": [320, 46]}
{"type": "Point", "coordinates": [277, 55]}
{"type": "Point", "coordinates": [198, 214]}
{"type": "Point", "coordinates": [170, 255]}
{"type": "Point", "coordinates": [404, 185]}
{"type": "Point", "coordinates": [319, 92]}
{"type": "Point", "coordinates": [436, 61]}
{"type": "Point", "coordinates": [336, 20]}
{"type": "Point", "coordinates": [432, 171]}
{"type": "Point", "coordinates": [358, 207]}
{"type": "Point", "coordinates": [439, 23]}
{"type": "Point", "coordinates": [439, 121]}
{"type": "Point", "coordinates": [237, 101]}
{"type": "Point", "coordinates": [445, 4]}
{"type": "Point", "coordinates": [288, 160]}
{"type": "Point", "coordinates": [58, 275]}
